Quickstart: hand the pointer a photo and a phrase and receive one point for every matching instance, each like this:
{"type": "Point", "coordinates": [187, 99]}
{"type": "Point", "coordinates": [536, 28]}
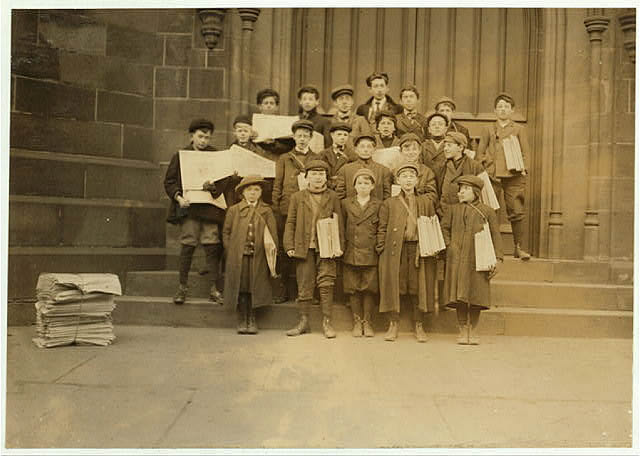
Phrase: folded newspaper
{"type": "Point", "coordinates": [75, 309]}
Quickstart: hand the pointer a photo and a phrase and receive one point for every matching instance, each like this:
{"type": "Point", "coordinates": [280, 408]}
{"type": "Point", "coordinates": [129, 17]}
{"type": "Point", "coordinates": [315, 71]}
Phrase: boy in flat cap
{"type": "Point", "coordinates": [365, 145]}
{"type": "Point", "coordinates": [301, 242]}
{"type": "Point", "coordinates": [509, 181]}
{"type": "Point", "coordinates": [339, 153]}
{"type": "Point", "coordinates": [290, 171]}
{"type": "Point", "coordinates": [199, 223]}
{"type": "Point", "coordinates": [402, 271]}
{"type": "Point", "coordinates": [378, 84]}
{"type": "Point", "coordinates": [268, 101]}
{"type": "Point", "coordinates": [342, 97]}
{"type": "Point", "coordinates": [360, 277]}
{"type": "Point", "coordinates": [410, 120]}
{"type": "Point", "coordinates": [309, 99]}
{"type": "Point", "coordinates": [466, 289]}
{"type": "Point", "coordinates": [247, 281]}
{"type": "Point", "coordinates": [447, 106]}
{"type": "Point", "coordinates": [433, 146]}
{"type": "Point", "coordinates": [386, 130]}
{"type": "Point", "coordinates": [411, 148]}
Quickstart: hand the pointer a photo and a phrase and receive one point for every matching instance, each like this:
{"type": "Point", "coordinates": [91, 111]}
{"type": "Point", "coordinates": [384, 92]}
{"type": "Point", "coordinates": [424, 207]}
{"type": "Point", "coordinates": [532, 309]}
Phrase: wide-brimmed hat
{"type": "Point", "coordinates": [251, 179]}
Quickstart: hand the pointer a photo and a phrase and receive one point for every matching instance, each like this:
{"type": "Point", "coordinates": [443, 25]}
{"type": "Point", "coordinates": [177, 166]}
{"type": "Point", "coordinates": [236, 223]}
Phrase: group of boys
{"type": "Point", "coordinates": [378, 231]}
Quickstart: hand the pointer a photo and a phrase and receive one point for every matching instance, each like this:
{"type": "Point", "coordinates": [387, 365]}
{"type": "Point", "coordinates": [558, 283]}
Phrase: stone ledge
{"type": "Point", "coordinates": [84, 159]}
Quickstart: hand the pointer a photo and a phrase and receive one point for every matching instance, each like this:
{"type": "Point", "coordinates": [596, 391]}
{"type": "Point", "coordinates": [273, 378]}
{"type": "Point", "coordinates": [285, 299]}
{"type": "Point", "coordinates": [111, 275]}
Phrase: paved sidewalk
{"type": "Point", "coordinates": [196, 387]}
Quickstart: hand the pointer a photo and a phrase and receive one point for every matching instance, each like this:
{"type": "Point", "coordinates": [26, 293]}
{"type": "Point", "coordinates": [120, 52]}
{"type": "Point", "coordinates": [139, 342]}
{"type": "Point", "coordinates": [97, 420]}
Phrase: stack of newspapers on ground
{"type": "Point", "coordinates": [75, 309]}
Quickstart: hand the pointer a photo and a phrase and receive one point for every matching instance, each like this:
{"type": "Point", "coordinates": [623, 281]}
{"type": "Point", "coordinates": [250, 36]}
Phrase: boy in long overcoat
{"type": "Point", "coordinates": [360, 260]}
{"type": "Point", "coordinates": [410, 148]}
{"type": "Point", "coordinates": [402, 270]}
{"type": "Point", "coordinates": [301, 242]}
{"type": "Point", "coordinates": [466, 289]}
{"type": "Point", "coordinates": [246, 281]}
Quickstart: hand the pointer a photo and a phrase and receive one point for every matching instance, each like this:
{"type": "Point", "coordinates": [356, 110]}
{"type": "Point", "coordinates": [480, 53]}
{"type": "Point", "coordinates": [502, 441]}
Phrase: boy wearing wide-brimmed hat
{"type": "Point", "coordinates": [247, 283]}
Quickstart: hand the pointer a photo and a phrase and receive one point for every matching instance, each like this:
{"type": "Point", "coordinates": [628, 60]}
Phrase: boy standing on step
{"type": "Point", "coordinates": [198, 222]}
{"type": "Point", "coordinates": [246, 280]}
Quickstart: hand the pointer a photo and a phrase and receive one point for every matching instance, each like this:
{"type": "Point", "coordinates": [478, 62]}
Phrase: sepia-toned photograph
{"type": "Point", "coordinates": [318, 229]}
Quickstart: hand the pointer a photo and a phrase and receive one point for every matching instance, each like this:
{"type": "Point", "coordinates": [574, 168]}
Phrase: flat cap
{"type": "Point", "coordinates": [377, 75]}
{"type": "Point", "coordinates": [308, 89]}
{"type": "Point", "coordinates": [404, 166]}
{"type": "Point", "coordinates": [302, 123]}
{"type": "Point", "coordinates": [409, 137]}
{"type": "Point", "coordinates": [251, 179]}
{"type": "Point", "coordinates": [364, 136]}
{"type": "Point", "coordinates": [456, 137]}
{"type": "Point", "coordinates": [242, 118]}
{"type": "Point", "coordinates": [364, 172]}
{"type": "Point", "coordinates": [346, 89]}
{"type": "Point", "coordinates": [437, 114]}
{"type": "Point", "coordinates": [338, 125]}
{"type": "Point", "coordinates": [506, 97]}
{"type": "Point", "coordinates": [470, 179]}
{"type": "Point", "coordinates": [316, 164]}
{"type": "Point", "coordinates": [201, 124]}
{"type": "Point", "coordinates": [446, 100]}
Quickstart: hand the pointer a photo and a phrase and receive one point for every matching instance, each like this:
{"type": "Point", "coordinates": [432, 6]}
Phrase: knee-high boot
{"type": "Point", "coordinates": [326, 301]}
{"type": "Point", "coordinates": [367, 302]}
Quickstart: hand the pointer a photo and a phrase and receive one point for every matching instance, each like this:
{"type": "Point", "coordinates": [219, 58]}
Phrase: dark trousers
{"type": "Point", "coordinates": [313, 272]}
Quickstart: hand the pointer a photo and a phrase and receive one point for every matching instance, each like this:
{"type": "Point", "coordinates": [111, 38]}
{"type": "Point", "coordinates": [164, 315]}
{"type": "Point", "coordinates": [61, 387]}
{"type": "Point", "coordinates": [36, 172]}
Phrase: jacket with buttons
{"type": "Point", "coordinates": [361, 228]}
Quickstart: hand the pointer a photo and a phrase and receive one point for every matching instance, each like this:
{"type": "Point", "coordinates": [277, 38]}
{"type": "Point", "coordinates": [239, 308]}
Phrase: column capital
{"type": "Point", "coordinates": [627, 22]}
{"type": "Point", "coordinates": [249, 16]}
{"type": "Point", "coordinates": [596, 26]}
{"type": "Point", "coordinates": [211, 24]}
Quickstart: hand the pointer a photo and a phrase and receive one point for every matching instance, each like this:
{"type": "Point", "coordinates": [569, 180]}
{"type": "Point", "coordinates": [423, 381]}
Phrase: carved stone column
{"type": "Point", "coordinates": [628, 25]}
{"type": "Point", "coordinates": [211, 25]}
{"type": "Point", "coordinates": [596, 24]}
{"type": "Point", "coordinates": [249, 17]}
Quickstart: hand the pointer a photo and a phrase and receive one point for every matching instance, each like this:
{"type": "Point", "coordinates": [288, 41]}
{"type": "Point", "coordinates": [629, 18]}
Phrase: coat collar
{"type": "Point", "coordinates": [325, 201]}
{"type": "Point", "coordinates": [244, 207]}
{"type": "Point", "coordinates": [361, 213]}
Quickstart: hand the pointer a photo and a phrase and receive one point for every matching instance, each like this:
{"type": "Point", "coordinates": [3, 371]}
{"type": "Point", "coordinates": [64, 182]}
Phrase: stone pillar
{"type": "Point", "coordinates": [249, 17]}
{"type": "Point", "coordinates": [628, 25]}
{"type": "Point", "coordinates": [281, 55]}
{"type": "Point", "coordinates": [596, 24]}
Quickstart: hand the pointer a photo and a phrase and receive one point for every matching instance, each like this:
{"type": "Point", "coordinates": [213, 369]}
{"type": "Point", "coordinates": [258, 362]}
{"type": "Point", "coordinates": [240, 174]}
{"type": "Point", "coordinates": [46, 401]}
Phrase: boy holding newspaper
{"type": "Point", "coordinates": [471, 233]}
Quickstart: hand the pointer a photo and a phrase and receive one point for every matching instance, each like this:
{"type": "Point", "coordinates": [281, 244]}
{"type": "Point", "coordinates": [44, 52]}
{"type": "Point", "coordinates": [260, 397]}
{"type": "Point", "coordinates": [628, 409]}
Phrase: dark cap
{"type": "Point", "coordinates": [364, 172]}
{"type": "Point", "coordinates": [200, 124]}
{"type": "Point", "coordinates": [364, 136]}
{"type": "Point", "coordinates": [242, 118]}
{"type": "Point", "coordinates": [456, 137]}
{"type": "Point", "coordinates": [316, 164]}
{"type": "Point", "coordinates": [309, 89]}
{"type": "Point", "coordinates": [377, 75]}
{"type": "Point", "coordinates": [265, 93]}
{"type": "Point", "coordinates": [506, 97]}
{"type": "Point", "coordinates": [437, 114]}
{"type": "Point", "coordinates": [385, 113]}
{"type": "Point", "coordinates": [406, 165]}
{"type": "Point", "coordinates": [445, 100]}
{"type": "Point", "coordinates": [302, 123]}
{"type": "Point", "coordinates": [251, 179]}
{"type": "Point", "coordinates": [337, 125]}
{"type": "Point", "coordinates": [346, 89]}
{"type": "Point", "coordinates": [410, 88]}
{"type": "Point", "coordinates": [470, 179]}
{"type": "Point", "coordinates": [409, 137]}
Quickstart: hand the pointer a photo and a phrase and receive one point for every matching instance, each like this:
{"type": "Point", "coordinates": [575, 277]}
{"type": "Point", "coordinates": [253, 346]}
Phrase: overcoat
{"type": "Point", "coordinates": [447, 189]}
{"type": "Point", "coordinates": [406, 124]}
{"type": "Point", "coordinates": [344, 181]}
{"type": "Point", "coordinates": [321, 124]}
{"type": "Point", "coordinates": [234, 235]}
{"type": "Point", "coordinates": [298, 228]}
{"type": "Point", "coordinates": [380, 145]}
{"type": "Point", "coordinates": [335, 163]}
{"type": "Point", "coordinates": [288, 167]}
{"type": "Point", "coordinates": [462, 282]}
{"type": "Point", "coordinates": [390, 105]}
{"type": "Point", "coordinates": [491, 153]}
{"type": "Point", "coordinates": [361, 229]}
{"type": "Point", "coordinates": [393, 220]}
{"type": "Point", "coordinates": [433, 155]}
{"type": "Point", "coordinates": [427, 184]}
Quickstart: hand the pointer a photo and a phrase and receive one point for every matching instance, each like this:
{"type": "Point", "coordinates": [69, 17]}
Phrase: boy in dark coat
{"type": "Point", "coordinates": [340, 153]}
{"type": "Point", "coordinates": [309, 99]}
{"type": "Point", "coordinates": [301, 242]}
{"type": "Point", "coordinates": [402, 270]}
{"type": "Point", "coordinates": [512, 182]}
{"type": "Point", "coordinates": [246, 281]}
{"type": "Point", "coordinates": [433, 146]}
{"type": "Point", "coordinates": [360, 277]}
{"type": "Point", "coordinates": [386, 130]}
{"type": "Point", "coordinates": [378, 84]}
{"type": "Point", "coordinates": [199, 223]}
{"type": "Point", "coordinates": [447, 106]}
{"type": "Point", "coordinates": [365, 145]}
{"type": "Point", "coordinates": [466, 289]}
{"type": "Point", "coordinates": [410, 120]}
{"type": "Point", "coordinates": [410, 148]}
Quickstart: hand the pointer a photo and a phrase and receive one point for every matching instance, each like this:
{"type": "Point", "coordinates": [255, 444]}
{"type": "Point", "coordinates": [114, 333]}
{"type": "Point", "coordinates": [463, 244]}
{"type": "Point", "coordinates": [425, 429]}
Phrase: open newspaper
{"type": "Point", "coordinates": [198, 167]}
{"type": "Point", "coordinates": [513, 153]}
{"type": "Point", "coordinates": [271, 126]}
{"type": "Point", "coordinates": [485, 253]}
{"type": "Point", "coordinates": [329, 237]}
{"type": "Point", "coordinates": [430, 239]}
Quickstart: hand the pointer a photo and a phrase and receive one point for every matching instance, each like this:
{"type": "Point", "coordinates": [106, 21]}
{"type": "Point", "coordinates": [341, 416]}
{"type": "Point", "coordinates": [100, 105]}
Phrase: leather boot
{"type": "Point", "coordinates": [181, 295]}
{"type": "Point", "coordinates": [392, 332]}
{"type": "Point", "coordinates": [186, 255]}
{"type": "Point", "coordinates": [326, 300]}
{"type": "Point", "coordinates": [241, 311]}
{"type": "Point", "coordinates": [215, 295]}
{"type": "Point", "coordinates": [420, 334]}
{"type": "Point", "coordinates": [517, 228]}
{"type": "Point", "coordinates": [252, 326]}
{"type": "Point", "coordinates": [357, 325]}
{"type": "Point", "coordinates": [329, 333]}
{"type": "Point", "coordinates": [367, 329]}
{"type": "Point", "coordinates": [303, 324]}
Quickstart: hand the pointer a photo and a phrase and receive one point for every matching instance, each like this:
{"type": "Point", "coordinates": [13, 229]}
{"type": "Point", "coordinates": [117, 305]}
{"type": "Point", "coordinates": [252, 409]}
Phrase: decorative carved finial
{"type": "Point", "coordinates": [596, 25]}
{"type": "Point", "coordinates": [249, 16]}
{"type": "Point", "coordinates": [211, 27]}
{"type": "Point", "coordinates": [628, 25]}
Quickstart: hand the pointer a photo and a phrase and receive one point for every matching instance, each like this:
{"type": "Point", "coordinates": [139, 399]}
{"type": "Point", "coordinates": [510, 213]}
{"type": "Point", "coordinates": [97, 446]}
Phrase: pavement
{"type": "Point", "coordinates": [165, 387]}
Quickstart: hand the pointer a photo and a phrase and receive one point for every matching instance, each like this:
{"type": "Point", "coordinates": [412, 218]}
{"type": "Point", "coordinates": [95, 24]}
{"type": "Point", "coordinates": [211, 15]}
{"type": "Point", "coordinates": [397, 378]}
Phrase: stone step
{"type": "Point", "coordinates": [83, 176]}
{"type": "Point", "coordinates": [505, 293]}
{"type": "Point", "coordinates": [26, 263]}
{"type": "Point", "coordinates": [85, 222]}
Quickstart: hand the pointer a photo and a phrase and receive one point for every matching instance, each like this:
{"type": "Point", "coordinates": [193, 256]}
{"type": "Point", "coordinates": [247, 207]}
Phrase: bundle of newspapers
{"type": "Point", "coordinates": [75, 309]}
{"type": "Point", "coordinates": [430, 239]}
{"type": "Point", "coordinates": [513, 153]}
{"type": "Point", "coordinates": [329, 237]}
